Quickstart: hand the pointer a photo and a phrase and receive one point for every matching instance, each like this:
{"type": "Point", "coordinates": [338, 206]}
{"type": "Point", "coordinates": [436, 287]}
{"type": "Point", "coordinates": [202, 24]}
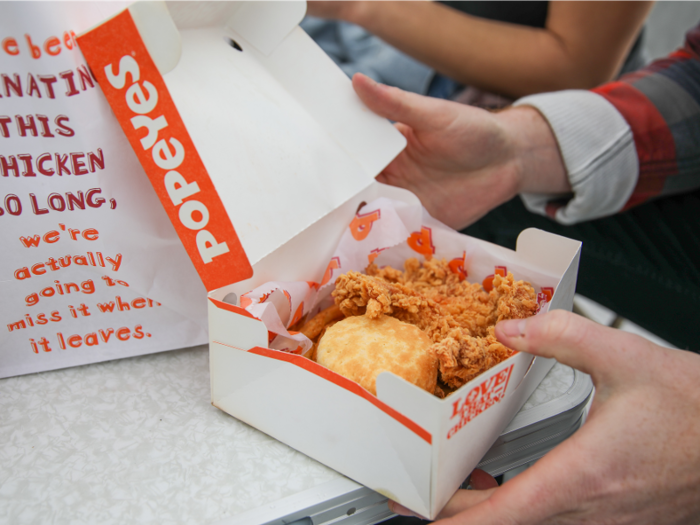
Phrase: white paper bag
{"type": "Point", "coordinates": [92, 268]}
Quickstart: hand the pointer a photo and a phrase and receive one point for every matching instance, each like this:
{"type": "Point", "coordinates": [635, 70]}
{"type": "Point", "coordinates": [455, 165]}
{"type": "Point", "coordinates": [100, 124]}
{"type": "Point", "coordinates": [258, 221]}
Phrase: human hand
{"type": "Point", "coordinates": [636, 460]}
{"type": "Point", "coordinates": [462, 161]}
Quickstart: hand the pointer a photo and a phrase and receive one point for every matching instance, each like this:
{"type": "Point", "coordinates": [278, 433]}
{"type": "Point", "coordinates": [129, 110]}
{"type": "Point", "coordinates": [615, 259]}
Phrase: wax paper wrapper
{"type": "Point", "coordinates": [387, 233]}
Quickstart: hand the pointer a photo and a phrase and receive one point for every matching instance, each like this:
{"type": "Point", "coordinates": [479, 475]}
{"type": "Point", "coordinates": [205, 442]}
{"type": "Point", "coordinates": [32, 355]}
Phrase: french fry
{"type": "Point", "coordinates": [296, 327]}
{"type": "Point", "coordinates": [318, 322]}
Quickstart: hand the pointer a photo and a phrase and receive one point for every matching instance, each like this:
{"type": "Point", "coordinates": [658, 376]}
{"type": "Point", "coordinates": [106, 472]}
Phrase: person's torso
{"type": "Point", "coordinates": [524, 12]}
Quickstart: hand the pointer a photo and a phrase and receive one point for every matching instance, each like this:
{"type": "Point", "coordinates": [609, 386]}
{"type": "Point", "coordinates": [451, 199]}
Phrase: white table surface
{"type": "Point", "coordinates": [137, 441]}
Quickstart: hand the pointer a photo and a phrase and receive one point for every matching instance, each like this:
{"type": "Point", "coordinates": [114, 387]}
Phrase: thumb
{"type": "Point", "coordinates": [573, 341]}
{"type": "Point", "coordinates": [416, 111]}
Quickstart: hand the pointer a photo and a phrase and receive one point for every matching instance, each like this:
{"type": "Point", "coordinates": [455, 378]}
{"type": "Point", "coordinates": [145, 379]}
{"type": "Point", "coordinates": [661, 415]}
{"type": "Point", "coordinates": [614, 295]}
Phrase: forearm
{"type": "Point", "coordinates": [510, 59]}
{"type": "Point", "coordinates": [505, 58]}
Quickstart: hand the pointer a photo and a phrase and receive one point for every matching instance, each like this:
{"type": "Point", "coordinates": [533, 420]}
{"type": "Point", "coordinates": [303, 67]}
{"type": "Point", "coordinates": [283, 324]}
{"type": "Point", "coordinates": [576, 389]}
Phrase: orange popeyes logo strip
{"type": "Point", "coordinates": [325, 373]}
{"type": "Point", "coordinates": [147, 114]}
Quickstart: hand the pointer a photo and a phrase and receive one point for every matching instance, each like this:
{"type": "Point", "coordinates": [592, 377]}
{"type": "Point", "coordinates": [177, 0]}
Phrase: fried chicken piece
{"type": "Point", "coordinates": [468, 303]}
{"type": "Point", "coordinates": [359, 294]}
{"type": "Point", "coordinates": [514, 299]}
{"type": "Point", "coordinates": [461, 358]}
{"type": "Point", "coordinates": [458, 316]}
{"type": "Point", "coordinates": [419, 277]}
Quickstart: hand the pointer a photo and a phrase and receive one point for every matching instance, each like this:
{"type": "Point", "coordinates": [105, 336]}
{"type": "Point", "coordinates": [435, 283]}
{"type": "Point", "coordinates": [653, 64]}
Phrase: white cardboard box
{"type": "Point", "coordinates": [261, 154]}
{"type": "Point", "coordinates": [407, 444]}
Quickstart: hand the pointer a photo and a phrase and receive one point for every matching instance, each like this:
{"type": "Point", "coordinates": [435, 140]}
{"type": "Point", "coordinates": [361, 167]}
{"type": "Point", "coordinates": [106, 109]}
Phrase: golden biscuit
{"type": "Point", "coordinates": [360, 348]}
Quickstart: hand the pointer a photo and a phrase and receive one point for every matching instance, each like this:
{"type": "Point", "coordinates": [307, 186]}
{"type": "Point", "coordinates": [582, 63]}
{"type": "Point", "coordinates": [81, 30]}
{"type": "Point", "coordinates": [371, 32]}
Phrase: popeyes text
{"type": "Point", "coordinates": [167, 154]}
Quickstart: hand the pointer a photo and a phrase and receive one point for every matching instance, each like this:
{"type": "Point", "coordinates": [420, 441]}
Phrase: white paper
{"type": "Point", "coordinates": [121, 245]}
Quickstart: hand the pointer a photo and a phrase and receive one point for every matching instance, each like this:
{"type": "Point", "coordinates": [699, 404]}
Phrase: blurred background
{"type": "Point", "coordinates": [667, 24]}
{"type": "Point", "coordinates": [664, 32]}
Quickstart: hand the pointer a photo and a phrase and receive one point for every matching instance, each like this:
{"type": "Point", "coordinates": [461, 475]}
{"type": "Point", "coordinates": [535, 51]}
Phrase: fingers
{"type": "Point", "coordinates": [461, 501]}
{"type": "Point", "coordinates": [480, 480]}
{"type": "Point", "coordinates": [401, 106]}
{"type": "Point", "coordinates": [527, 499]}
{"type": "Point", "coordinates": [573, 341]}
{"type": "Point", "coordinates": [403, 511]}
{"type": "Point", "coordinates": [482, 485]}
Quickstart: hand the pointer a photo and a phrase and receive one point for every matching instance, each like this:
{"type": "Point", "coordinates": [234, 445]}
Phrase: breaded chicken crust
{"type": "Point", "coordinates": [458, 316]}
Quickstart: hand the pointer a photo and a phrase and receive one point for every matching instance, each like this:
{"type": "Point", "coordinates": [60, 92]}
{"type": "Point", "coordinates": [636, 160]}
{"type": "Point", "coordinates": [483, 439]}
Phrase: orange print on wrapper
{"type": "Point", "coordinates": [333, 265]}
{"type": "Point", "coordinates": [546, 293]}
{"type": "Point", "coordinates": [457, 266]}
{"type": "Point", "coordinates": [544, 296]}
{"type": "Point", "coordinates": [246, 302]}
{"type": "Point", "coordinates": [422, 242]}
{"type": "Point", "coordinates": [297, 315]}
{"type": "Point", "coordinates": [374, 254]}
{"type": "Point", "coordinates": [289, 302]}
{"type": "Point", "coordinates": [361, 225]}
{"type": "Point", "coordinates": [488, 282]}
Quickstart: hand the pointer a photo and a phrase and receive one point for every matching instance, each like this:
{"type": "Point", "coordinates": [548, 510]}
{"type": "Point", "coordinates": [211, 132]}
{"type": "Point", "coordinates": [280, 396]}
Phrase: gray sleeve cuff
{"type": "Point", "coordinates": [598, 149]}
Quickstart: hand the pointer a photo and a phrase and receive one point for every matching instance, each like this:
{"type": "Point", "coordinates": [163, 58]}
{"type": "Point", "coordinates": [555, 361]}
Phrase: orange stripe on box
{"type": "Point", "coordinates": [199, 217]}
{"type": "Point", "coordinates": [342, 382]}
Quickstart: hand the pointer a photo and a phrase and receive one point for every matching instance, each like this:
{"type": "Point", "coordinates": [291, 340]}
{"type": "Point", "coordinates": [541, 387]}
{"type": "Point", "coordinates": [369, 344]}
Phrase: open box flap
{"type": "Point", "coordinates": [263, 25]}
{"type": "Point", "coordinates": [557, 254]}
{"type": "Point", "coordinates": [277, 137]}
